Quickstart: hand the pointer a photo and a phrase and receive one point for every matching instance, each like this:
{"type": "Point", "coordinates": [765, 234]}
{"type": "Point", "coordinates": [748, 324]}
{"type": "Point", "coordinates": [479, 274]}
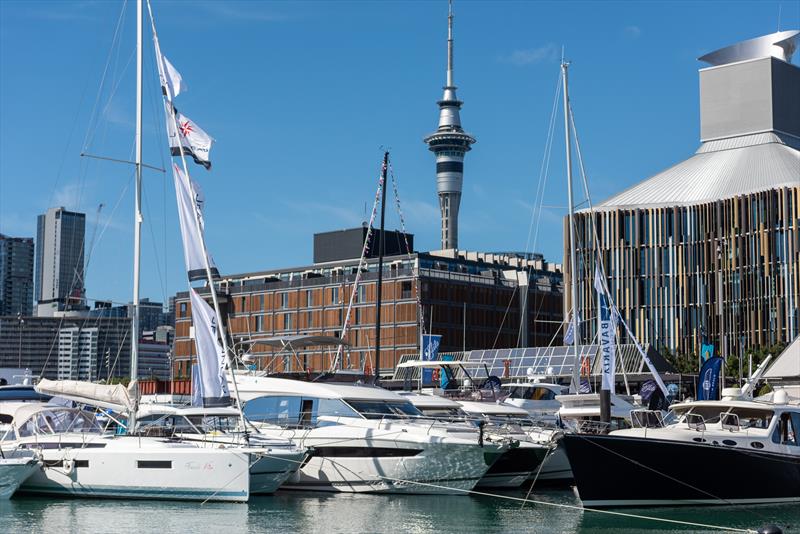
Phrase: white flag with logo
{"type": "Point", "coordinates": [606, 326]}
{"type": "Point", "coordinates": [190, 205]}
{"type": "Point", "coordinates": [212, 382]}
{"type": "Point", "coordinates": [190, 138]}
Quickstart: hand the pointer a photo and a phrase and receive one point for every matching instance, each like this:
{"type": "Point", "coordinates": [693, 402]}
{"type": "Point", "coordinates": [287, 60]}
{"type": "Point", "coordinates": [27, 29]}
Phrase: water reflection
{"type": "Point", "coordinates": [327, 513]}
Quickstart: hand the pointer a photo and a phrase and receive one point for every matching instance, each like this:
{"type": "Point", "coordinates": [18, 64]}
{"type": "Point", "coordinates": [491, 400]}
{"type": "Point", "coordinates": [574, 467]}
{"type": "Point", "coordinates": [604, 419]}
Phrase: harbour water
{"type": "Point", "coordinates": [297, 512]}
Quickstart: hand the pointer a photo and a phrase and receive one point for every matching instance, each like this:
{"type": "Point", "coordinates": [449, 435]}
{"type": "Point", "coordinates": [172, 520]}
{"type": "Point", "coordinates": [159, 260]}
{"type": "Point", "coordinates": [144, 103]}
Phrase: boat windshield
{"type": "Point", "coordinates": [215, 423]}
{"type": "Point", "coordinates": [191, 424]}
{"type": "Point", "coordinates": [535, 393]}
{"type": "Point", "coordinates": [378, 409]}
{"type": "Point", "coordinates": [59, 420]}
{"type": "Point", "coordinates": [748, 417]}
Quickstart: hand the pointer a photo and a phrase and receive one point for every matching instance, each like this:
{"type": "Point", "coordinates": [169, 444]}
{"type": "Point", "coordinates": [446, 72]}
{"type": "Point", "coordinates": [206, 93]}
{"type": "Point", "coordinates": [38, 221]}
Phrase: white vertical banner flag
{"type": "Point", "coordinates": [190, 200]}
{"type": "Point", "coordinates": [210, 356]}
{"type": "Point", "coordinates": [189, 138]}
{"type": "Point", "coordinates": [171, 80]}
{"type": "Point", "coordinates": [606, 326]}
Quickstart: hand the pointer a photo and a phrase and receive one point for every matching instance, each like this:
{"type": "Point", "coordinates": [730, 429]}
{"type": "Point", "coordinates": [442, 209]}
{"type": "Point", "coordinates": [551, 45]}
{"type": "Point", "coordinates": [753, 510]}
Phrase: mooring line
{"type": "Point", "coordinates": [557, 505]}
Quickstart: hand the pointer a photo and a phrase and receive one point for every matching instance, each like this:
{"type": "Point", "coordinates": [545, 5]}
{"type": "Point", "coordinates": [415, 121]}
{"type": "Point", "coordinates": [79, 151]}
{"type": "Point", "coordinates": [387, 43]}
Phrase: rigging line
{"type": "Point", "coordinates": [408, 249]}
{"type": "Point", "coordinates": [92, 115]}
{"type": "Point", "coordinates": [544, 170]}
{"type": "Point", "coordinates": [160, 131]}
{"type": "Point", "coordinates": [154, 243]}
{"type": "Point", "coordinates": [362, 261]}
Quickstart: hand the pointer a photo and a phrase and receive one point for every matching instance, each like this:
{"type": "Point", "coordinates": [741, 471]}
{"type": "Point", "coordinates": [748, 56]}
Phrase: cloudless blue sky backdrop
{"type": "Point", "coordinates": [301, 96]}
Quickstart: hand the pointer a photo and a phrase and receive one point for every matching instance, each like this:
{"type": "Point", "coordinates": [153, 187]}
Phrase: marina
{"type": "Point", "coordinates": [649, 383]}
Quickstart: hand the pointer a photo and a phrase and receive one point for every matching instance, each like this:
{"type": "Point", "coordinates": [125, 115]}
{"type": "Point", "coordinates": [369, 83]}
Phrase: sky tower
{"type": "Point", "coordinates": [449, 142]}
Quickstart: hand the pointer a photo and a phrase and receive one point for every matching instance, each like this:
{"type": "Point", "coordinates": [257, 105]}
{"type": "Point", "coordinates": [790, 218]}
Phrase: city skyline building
{"type": "Point", "coordinates": [54, 346]}
{"type": "Point", "coordinates": [472, 299]}
{"type": "Point", "coordinates": [709, 249]}
{"type": "Point", "coordinates": [59, 268]}
{"type": "Point", "coordinates": [16, 275]}
{"type": "Point", "coordinates": [449, 143]}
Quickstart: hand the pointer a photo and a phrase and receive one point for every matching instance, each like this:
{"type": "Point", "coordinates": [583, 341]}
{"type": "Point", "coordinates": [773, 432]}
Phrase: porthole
{"type": "Point", "coordinates": [756, 444]}
{"type": "Point", "coordinates": [729, 442]}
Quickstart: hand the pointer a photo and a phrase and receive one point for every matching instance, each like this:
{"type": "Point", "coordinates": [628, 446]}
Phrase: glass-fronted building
{"type": "Point", "coordinates": [711, 246]}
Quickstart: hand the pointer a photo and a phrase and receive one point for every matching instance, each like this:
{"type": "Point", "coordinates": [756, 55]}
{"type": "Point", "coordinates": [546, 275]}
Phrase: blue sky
{"type": "Point", "coordinates": [301, 96]}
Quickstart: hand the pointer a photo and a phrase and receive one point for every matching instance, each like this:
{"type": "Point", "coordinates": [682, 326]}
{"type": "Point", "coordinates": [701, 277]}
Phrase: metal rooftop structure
{"type": "Point", "coordinates": [749, 129]}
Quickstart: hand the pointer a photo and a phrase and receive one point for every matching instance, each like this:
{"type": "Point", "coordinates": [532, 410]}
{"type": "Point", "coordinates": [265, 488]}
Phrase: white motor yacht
{"type": "Point", "coordinates": [272, 460]}
{"type": "Point", "coordinates": [366, 439]}
{"type": "Point", "coordinates": [519, 463]}
{"type": "Point", "coordinates": [535, 397]}
{"type": "Point", "coordinates": [555, 465]}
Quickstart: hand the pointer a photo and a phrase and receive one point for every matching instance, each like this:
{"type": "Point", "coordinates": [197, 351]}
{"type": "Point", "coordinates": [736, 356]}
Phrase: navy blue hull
{"type": "Point", "coordinates": [630, 471]}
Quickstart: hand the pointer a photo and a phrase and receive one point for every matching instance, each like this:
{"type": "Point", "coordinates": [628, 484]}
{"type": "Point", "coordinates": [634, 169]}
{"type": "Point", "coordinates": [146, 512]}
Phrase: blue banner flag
{"type": "Point", "coordinates": [430, 352]}
{"type": "Point", "coordinates": [708, 381]}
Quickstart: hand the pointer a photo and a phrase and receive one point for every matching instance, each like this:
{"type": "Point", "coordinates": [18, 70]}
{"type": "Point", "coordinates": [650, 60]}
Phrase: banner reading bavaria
{"type": "Point", "coordinates": [607, 330]}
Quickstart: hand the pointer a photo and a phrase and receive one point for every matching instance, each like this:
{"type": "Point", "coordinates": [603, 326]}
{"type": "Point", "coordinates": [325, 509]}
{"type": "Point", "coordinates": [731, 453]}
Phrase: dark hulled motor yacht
{"type": "Point", "coordinates": [732, 451]}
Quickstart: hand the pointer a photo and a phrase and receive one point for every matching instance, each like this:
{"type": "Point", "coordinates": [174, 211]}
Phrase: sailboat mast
{"type": "Point", "coordinates": [137, 225]}
{"type": "Point", "coordinates": [575, 385]}
{"type": "Point", "coordinates": [381, 249]}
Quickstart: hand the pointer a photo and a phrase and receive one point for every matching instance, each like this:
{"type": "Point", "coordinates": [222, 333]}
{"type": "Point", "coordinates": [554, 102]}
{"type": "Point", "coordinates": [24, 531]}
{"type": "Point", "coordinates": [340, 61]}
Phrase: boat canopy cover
{"type": "Point", "coordinates": [432, 364]}
{"type": "Point", "coordinates": [788, 363]}
{"type": "Point", "coordinates": [115, 397]}
{"type": "Point", "coordinates": [298, 341]}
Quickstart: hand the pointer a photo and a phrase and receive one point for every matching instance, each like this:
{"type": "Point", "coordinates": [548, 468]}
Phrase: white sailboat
{"type": "Point", "coordinates": [211, 421]}
{"type": "Point", "coordinates": [79, 459]}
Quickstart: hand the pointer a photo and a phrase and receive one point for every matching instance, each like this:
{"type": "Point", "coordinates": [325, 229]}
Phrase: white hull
{"type": "Point", "coordinates": [136, 468]}
{"type": "Point", "coordinates": [385, 460]}
{"type": "Point", "coordinates": [13, 472]}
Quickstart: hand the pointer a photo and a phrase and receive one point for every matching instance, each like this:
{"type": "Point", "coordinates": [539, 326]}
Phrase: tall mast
{"type": "Point", "coordinates": [575, 385]}
{"type": "Point", "coordinates": [381, 249]}
{"type": "Point", "coordinates": [137, 226]}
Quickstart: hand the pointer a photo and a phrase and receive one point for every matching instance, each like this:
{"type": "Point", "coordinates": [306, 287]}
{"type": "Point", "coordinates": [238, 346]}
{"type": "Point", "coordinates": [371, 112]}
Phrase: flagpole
{"type": "Point", "coordinates": [203, 249]}
{"type": "Point", "coordinates": [137, 226]}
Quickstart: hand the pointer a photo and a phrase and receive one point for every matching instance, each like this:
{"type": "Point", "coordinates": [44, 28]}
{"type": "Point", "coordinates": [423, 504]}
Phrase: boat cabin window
{"type": "Point", "coordinates": [288, 410]}
{"type": "Point", "coordinates": [530, 393]}
{"type": "Point", "coordinates": [378, 409]}
{"type": "Point", "coordinates": [786, 430]}
{"type": "Point", "coordinates": [57, 421]}
{"type": "Point", "coordinates": [214, 423]}
{"type": "Point", "coordinates": [443, 412]}
{"type": "Point", "coordinates": [748, 417]}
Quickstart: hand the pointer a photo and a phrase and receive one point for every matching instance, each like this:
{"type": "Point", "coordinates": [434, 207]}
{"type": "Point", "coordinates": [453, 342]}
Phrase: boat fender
{"type": "Point", "coordinates": [69, 466]}
{"type": "Point", "coordinates": [770, 529]}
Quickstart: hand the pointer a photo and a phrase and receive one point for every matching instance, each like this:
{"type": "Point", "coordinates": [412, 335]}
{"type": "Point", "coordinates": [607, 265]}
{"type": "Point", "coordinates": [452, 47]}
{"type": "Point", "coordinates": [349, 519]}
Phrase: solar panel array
{"type": "Point", "coordinates": [538, 361]}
